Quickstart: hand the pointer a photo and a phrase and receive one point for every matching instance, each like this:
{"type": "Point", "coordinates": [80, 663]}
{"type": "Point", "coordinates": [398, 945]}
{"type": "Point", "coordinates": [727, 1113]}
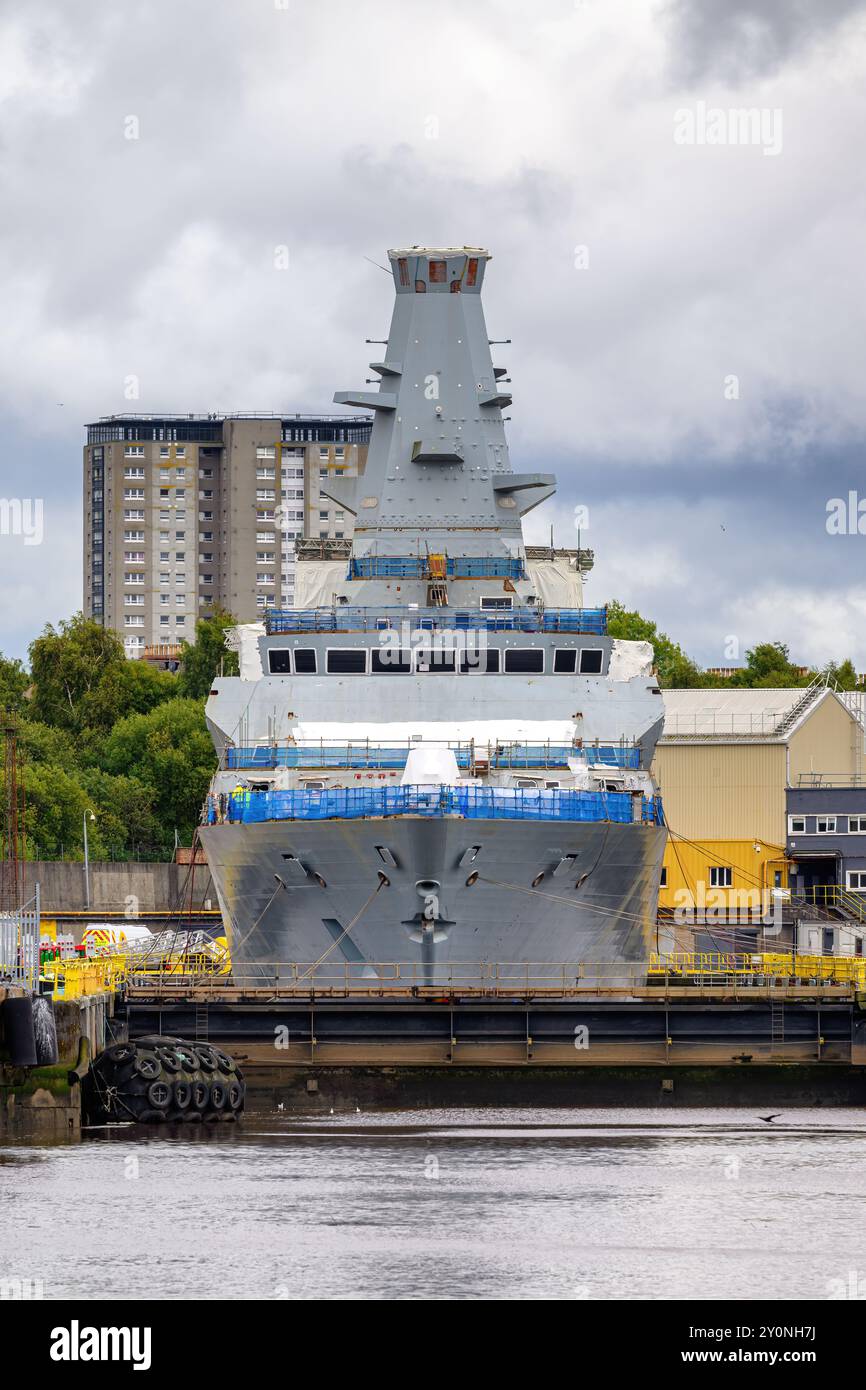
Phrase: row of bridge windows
{"type": "Point", "coordinates": [390, 661]}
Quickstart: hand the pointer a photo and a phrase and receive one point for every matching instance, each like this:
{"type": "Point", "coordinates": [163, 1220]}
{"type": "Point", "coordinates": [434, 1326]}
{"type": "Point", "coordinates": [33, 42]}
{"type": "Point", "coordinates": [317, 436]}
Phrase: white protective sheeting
{"type": "Point", "coordinates": [244, 639]}
{"type": "Point", "coordinates": [430, 765]}
{"type": "Point", "coordinates": [316, 582]}
{"type": "Point", "coordinates": [556, 583]}
{"type": "Point", "coordinates": [484, 732]}
{"type": "Point", "coordinates": [629, 659]}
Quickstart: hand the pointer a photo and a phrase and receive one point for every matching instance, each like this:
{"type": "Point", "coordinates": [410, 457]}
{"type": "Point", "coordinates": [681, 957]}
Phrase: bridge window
{"type": "Point", "coordinates": [436, 661]}
{"type": "Point", "coordinates": [591, 661]}
{"type": "Point", "coordinates": [565, 661]}
{"type": "Point", "coordinates": [403, 269]}
{"type": "Point", "coordinates": [347, 661]}
{"type": "Point", "coordinates": [305, 661]}
{"type": "Point", "coordinates": [496, 601]}
{"type": "Point", "coordinates": [524, 661]}
{"type": "Point", "coordinates": [472, 270]}
{"type": "Point", "coordinates": [389, 661]}
{"type": "Point", "coordinates": [280, 662]}
{"type": "Point", "coordinates": [437, 272]}
{"type": "Point", "coordinates": [481, 663]}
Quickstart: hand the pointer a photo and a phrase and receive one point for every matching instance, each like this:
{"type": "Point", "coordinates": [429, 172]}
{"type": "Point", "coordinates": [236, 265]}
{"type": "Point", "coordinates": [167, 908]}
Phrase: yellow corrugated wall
{"type": "Point", "coordinates": [829, 741]}
{"type": "Point", "coordinates": [723, 791]}
{"type": "Point", "coordinates": [687, 867]}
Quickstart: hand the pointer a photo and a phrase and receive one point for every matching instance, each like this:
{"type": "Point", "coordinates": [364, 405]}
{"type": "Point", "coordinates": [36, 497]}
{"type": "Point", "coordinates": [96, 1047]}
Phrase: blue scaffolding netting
{"type": "Point", "coordinates": [517, 755]}
{"type": "Point", "coordinates": [473, 803]}
{"type": "Point", "coordinates": [418, 567]}
{"type": "Point", "coordinates": [349, 618]}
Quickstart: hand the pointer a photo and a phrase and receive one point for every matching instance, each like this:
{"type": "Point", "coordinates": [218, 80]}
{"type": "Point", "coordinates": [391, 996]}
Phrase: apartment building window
{"type": "Point", "coordinates": [133, 622]}
{"type": "Point", "coordinates": [133, 535]}
{"type": "Point", "coordinates": [323, 452]}
{"type": "Point", "coordinates": [207, 579]}
{"type": "Point", "coordinates": [825, 825]}
{"type": "Point", "coordinates": [857, 881]}
{"type": "Point", "coordinates": [163, 620]}
{"type": "Point", "coordinates": [164, 600]}
{"type": "Point", "coordinates": [205, 472]}
{"type": "Point", "coordinates": [206, 494]}
{"type": "Point", "coordinates": [265, 494]}
{"type": "Point", "coordinates": [134, 451]}
{"type": "Point", "coordinates": [164, 578]}
{"type": "Point", "coordinates": [720, 876]}
{"type": "Point", "coordinates": [131, 557]}
{"type": "Point", "coordinates": [265, 473]}
{"type": "Point", "coordinates": [133, 494]}
{"type": "Point", "coordinates": [207, 558]}
{"type": "Point", "coordinates": [179, 535]}
{"type": "Point", "coordinates": [339, 535]}
{"type": "Point", "coordinates": [264, 578]}
{"type": "Point", "coordinates": [266, 451]}
{"type": "Point", "coordinates": [323, 516]}
{"type": "Point", "coordinates": [264, 538]}
{"type": "Point", "coordinates": [132, 578]}
{"type": "Point", "coordinates": [796, 825]}
{"type": "Point", "coordinates": [180, 600]}
{"type": "Point", "coordinates": [164, 475]}
{"type": "Point", "coordinates": [132, 473]}
{"type": "Point", "coordinates": [206, 536]}
{"type": "Point", "coordinates": [340, 451]}
{"type": "Point", "coordinates": [261, 600]}
{"type": "Point", "coordinates": [180, 453]}
{"type": "Point", "coordinates": [180, 492]}
{"type": "Point", "coordinates": [263, 558]}
{"type": "Point", "coordinates": [857, 825]}
{"type": "Point", "coordinates": [266, 515]}
{"type": "Point", "coordinates": [165, 451]}
{"type": "Point", "coordinates": [323, 472]}
{"type": "Point", "coordinates": [132, 514]}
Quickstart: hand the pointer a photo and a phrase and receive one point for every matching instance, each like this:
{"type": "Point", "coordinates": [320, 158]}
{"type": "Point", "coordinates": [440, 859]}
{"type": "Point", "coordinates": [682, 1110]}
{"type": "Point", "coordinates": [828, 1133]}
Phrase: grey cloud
{"type": "Point", "coordinates": [736, 40]}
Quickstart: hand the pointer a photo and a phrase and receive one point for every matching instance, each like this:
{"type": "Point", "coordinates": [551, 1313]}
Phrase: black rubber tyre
{"type": "Point", "coordinates": [160, 1094]}
{"type": "Point", "coordinates": [151, 1117]}
{"type": "Point", "coordinates": [117, 1055]}
{"type": "Point", "coordinates": [200, 1095]}
{"type": "Point", "coordinates": [148, 1065]}
{"type": "Point", "coordinates": [235, 1094]}
{"type": "Point", "coordinates": [170, 1060]}
{"type": "Point", "coordinates": [218, 1095]}
{"type": "Point", "coordinates": [207, 1059]}
{"type": "Point", "coordinates": [182, 1095]}
{"type": "Point", "coordinates": [189, 1058]}
{"type": "Point", "coordinates": [227, 1065]}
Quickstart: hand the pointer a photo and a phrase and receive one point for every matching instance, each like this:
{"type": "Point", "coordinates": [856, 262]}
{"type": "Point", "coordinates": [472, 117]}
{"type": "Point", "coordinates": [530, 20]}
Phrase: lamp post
{"type": "Point", "coordinates": [87, 861]}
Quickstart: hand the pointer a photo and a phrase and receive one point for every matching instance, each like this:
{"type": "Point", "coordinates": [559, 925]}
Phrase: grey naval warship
{"type": "Point", "coordinates": [436, 767]}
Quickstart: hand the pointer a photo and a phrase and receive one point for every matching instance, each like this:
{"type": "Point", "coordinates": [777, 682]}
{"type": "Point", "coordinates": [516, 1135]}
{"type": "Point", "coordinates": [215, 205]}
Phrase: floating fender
{"type": "Point", "coordinates": [45, 1030]}
{"type": "Point", "coordinates": [19, 1031]}
{"type": "Point", "coordinates": [162, 1080]}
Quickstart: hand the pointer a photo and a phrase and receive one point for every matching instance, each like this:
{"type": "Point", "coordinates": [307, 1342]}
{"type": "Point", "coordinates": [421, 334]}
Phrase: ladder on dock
{"type": "Point", "coordinates": [201, 1022]}
{"type": "Point", "coordinates": [777, 1028]}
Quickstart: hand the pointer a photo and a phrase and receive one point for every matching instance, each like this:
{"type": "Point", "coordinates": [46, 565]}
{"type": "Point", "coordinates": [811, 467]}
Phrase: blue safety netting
{"type": "Point", "coordinates": [349, 618]}
{"type": "Point", "coordinates": [516, 755]}
{"type": "Point", "coordinates": [471, 802]}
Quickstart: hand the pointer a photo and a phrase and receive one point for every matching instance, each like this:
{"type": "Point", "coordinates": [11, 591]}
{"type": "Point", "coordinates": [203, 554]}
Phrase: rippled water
{"type": "Point", "coordinates": [516, 1204]}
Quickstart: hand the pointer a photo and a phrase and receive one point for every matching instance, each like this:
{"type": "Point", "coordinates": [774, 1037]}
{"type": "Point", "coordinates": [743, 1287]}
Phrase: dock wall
{"type": "Point", "coordinates": [118, 887]}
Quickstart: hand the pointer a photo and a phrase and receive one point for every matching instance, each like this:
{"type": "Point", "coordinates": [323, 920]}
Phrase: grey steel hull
{"type": "Point", "coordinates": [289, 889]}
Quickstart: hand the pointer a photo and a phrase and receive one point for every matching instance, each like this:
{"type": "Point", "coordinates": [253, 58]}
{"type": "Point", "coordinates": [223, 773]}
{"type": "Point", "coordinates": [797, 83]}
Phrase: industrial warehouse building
{"type": "Point", "coordinates": [725, 764]}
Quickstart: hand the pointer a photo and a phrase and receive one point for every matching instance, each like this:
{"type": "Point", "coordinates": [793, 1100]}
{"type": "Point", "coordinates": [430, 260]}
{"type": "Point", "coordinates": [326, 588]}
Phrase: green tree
{"type": "Point", "coordinates": [675, 669]}
{"type": "Point", "coordinates": [14, 680]}
{"type": "Point", "coordinates": [201, 662]}
{"type": "Point", "coordinates": [68, 666]}
{"type": "Point", "coordinates": [844, 675]}
{"type": "Point", "coordinates": [169, 750]}
{"type": "Point", "coordinates": [768, 664]}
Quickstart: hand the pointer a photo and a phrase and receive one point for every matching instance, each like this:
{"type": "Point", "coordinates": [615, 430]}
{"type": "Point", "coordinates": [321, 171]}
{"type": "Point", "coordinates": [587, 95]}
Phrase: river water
{"type": "Point", "coordinates": [453, 1204]}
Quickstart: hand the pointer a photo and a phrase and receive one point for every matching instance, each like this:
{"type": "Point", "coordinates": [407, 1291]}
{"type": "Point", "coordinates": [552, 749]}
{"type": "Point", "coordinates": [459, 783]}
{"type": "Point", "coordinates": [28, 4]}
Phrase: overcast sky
{"type": "Point", "coordinates": [687, 317]}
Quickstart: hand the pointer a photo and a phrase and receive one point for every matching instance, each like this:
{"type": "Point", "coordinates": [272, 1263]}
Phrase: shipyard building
{"type": "Point", "coordinates": [184, 514]}
{"type": "Point", "coordinates": [763, 791]}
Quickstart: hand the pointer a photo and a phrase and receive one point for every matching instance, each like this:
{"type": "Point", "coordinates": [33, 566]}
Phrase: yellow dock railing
{"type": "Point", "coordinates": [789, 965]}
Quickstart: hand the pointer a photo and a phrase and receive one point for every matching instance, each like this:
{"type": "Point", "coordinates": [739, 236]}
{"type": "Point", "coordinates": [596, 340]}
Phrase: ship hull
{"type": "Point", "coordinates": [436, 900]}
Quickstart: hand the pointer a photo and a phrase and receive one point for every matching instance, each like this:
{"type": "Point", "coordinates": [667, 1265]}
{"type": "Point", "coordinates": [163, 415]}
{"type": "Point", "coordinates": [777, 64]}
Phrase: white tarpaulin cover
{"type": "Point", "coordinates": [630, 659]}
{"type": "Point", "coordinates": [487, 731]}
{"type": "Point", "coordinates": [244, 639]}
{"type": "Point", "coordinates": [555, 583]}
{"type": "Point", "coordinates": [316, 582]}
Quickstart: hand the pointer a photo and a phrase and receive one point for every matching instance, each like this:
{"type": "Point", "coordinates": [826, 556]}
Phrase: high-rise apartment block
{"type": "Point", "coordinates": [187, 513]}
